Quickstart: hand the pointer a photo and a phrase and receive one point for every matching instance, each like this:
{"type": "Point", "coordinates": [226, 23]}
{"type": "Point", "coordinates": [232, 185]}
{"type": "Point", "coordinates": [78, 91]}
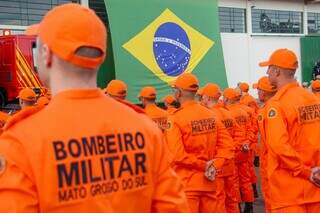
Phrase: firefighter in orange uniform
{"type": "Point", "coordinates": [171, 103]}
{"type": "Point", "coordinates": [292, 116]}
{"type": "Point", "coordinates": [27, 98]}
{"type": "Point", "coordinates": [242, 157]}
{"type": "Point", "coordinates": [265, 92]}
{"type": "Point", "coordinates": [250, 105]}
{"type": "Point", "coordinates": [228, 194]}
{"type": "Point", "coordinates": [199, 144]}
{"type": "Point", "coordinates": [93, 154]}
{"type": "Point", "coordinates": [315, 86]}
{"type": "Point", "coordinates": [148, 96]}
{"type": "Point", "coordinates": [117, 89]}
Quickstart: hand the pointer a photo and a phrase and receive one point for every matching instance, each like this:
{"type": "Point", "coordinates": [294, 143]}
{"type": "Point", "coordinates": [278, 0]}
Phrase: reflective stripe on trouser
{"type": "Point", "coordinates": [245, 184]}
{"type": "Point", "coordinates": [306, 208]}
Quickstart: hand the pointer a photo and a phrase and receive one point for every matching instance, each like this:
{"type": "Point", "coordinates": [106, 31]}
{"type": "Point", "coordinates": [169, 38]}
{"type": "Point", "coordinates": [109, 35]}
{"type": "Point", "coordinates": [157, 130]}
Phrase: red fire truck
{"type": "Point", "coordinates": [18, 67]}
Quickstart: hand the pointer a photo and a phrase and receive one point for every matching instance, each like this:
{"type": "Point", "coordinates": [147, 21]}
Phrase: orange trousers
{"type": "Point", "coordinates": [245, 184]}
{"type": "Point", "coordinates": [228, 194]}
{"type": "Point", "coordinates": [306, 208]}
{"type": "Point", "coordinates": [265, 189]}
{"type": "Point", "coordinates": [203, 202]}
{"type": "Point", "coordinates": [252, 168]}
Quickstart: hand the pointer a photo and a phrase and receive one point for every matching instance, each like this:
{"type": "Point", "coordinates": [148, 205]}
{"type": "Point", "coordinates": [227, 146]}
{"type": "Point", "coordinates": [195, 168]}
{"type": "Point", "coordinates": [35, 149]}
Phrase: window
{"type": "Point", "coordinates": [276, 21]}
{"type": "Point", "coordinates": [232, 20]}
{"type": "Point", "coordinates": [100, 8]}
{"type": "Point", "coordinates": [313, 23]}
{"type": "Point", "coordinates": [26, 12]}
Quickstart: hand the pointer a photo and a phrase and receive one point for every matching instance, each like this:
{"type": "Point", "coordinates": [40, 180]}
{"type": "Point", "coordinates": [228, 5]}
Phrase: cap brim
{"type": "Point", "coordinates": [32, 30]}
{"type": "Point", "coordinates": [264, 64]}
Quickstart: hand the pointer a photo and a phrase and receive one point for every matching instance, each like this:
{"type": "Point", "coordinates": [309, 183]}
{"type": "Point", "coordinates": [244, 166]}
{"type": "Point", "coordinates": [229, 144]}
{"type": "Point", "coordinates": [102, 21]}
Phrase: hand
{"type": "Point", "coordinates": [245, 147]}
{"type": "Point", "coordinates": [211, 171]}
{"type": "Point", "coordinates": [315, 176]}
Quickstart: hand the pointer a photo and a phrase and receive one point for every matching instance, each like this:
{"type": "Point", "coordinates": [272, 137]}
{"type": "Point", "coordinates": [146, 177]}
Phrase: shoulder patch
{"type": "Point", "coordinates": [272, 113]}
{"type": "Point", "coordinates": [3, 164]}
{"type": "Point", "coordinates": [23, 114]}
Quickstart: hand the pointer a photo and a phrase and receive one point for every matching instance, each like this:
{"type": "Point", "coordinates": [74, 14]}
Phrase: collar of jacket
{"type": "Point", "coordinates": [188, 103]}
{"type": "Point", "coordinates": [79, 94]}
{"type": "Point", "coordinates": [284, 89]}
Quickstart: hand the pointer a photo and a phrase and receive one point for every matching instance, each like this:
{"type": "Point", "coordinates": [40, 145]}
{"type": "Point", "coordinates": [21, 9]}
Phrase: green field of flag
{"type": "Point", "coordinates": [155, 41]}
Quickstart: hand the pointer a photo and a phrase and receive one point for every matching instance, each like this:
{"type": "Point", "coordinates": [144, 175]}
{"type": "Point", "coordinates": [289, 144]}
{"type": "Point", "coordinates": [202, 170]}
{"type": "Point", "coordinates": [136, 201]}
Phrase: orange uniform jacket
{"type": "Point", "coordinates": [234, 131]}
{"type": "Point", "coordinates": [85, 152]}
{"type": "Point", "coordinates": [292, 133]}
{"type": "Point", "coordinates": [158, 115]}
{"type": "Point", "coordinates": [196, 135]}
{"type": "Point", "coordinates": [171, 110]}
{"type": "Point", "coordinates": [263, 156]}
{"type": "Point", "coordinates": [317, 94]}
{"type": "Point", "coordinates": [244, 133]}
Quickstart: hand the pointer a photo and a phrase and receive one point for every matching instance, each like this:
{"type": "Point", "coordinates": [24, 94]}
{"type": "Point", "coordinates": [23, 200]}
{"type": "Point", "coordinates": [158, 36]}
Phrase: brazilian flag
{"type": "Point", "coordinates": [155, 41]}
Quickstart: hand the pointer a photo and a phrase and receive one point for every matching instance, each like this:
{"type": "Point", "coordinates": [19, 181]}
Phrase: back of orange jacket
{"type": "Point", "coordinates": [244, 133]}
{"type": "Point", "coordinates": [292, 136]}
{"type": "Point", "coordinates": [234, 131]}
{"type": "Point", "coordinates": [158, 115]}
{"type": "Point", "coordinates": [196, 135]}
{"type": "Point", "coordinates": [61, 159]}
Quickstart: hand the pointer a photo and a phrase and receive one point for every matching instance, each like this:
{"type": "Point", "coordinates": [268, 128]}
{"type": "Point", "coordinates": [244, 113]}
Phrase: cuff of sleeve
{"type": "Point", "coordinates": [218, 163]}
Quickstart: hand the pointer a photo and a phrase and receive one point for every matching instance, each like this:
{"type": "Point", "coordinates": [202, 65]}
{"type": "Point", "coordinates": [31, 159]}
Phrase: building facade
{"type": "Point", "coordinates": [252, 29]}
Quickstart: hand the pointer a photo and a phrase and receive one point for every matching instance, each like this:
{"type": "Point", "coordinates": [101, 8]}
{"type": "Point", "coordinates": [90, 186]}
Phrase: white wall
{"type": "Point", "coordinates": [236, 57]}
{"type": "Point", "coordinates": [243, 51]}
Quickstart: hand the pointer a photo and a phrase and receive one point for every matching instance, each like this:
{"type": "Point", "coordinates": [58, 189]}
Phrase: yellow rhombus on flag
{"type": "Point", "coordinates": [141, 46]}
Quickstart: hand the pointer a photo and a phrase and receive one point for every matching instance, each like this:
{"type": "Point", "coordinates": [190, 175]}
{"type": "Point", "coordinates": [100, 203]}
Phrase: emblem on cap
{"type": "Point", "coordinates": [272, 113]}
{"type": "Point", "coordinates": [3, 164]}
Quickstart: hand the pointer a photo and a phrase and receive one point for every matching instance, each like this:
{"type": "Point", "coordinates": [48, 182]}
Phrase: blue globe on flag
{"type": "Point", "coordinates": [171, 48]}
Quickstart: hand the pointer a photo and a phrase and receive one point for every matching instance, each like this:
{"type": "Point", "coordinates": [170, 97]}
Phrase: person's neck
{"type": "Point", "coordinates": [60, 83]}
{"type": "Point", "coordinates": [283, 82]}
{"type": "Point", "coordinates": [184, 100]}
{"type": "Point", "coordinates": [211, 104]}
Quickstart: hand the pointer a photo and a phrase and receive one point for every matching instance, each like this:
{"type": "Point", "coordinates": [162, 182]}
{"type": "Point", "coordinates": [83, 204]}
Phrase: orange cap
{"type": "Point", "coordinates": [169, 99]}
{"type": "Point", "coordinates": [244, 87]}
{"type": "Point", "coordinates": [68, 27]}
{"type": "Point", "coordinates": [211, 90]}
{"type": "Point", "coordinates": [231, 93]}
{"type": "Point", "coordinates": [283, 58]}
{"type": "Point", "coordinates": [117, 88]}
{"type": "Point", "coordinates": [315, 85]}
{"type": "Point", "coordinates": [248, 99]}
{"type": "Point", "coordinates": [43, 101]}
{"type": "Point", "coordinates": [265, 85]}
{"type": "Point", "coordinates": [148, 92]}
{"type": "Point", "coordinates": [187, 82]}
{"type": "Point", "coordinates": [27, 94]}
{"type": "Point", "coordinates": [32, 29]}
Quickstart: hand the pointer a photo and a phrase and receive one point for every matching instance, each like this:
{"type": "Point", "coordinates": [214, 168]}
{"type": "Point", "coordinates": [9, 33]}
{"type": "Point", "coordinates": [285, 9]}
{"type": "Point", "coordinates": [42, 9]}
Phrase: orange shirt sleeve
{"type": "Point", "coordinates": [17, 190]}
{"type": "Point", "coordinates": [169, 194]}
{"type": "Point", "coordinates": [176, 147]}
{"type": "Point", "coordinates": [277, 138]}
{"type": "Point", "coordinates": [224, 145]}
